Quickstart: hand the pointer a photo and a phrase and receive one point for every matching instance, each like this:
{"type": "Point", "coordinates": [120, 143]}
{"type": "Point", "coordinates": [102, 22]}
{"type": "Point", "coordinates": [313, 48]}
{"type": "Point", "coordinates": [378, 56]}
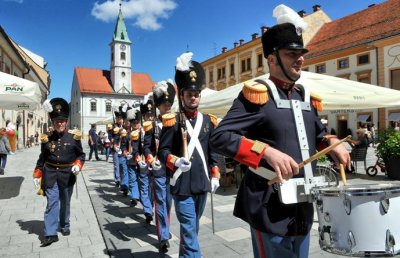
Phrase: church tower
{"type": "Point", "coordinates": [120, 69]}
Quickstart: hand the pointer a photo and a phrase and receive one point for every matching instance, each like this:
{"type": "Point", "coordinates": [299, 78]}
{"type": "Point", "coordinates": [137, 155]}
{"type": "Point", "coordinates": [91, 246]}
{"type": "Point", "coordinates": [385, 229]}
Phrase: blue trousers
{"type": "Point", "coordinates": [133, 185]}
{"type": "Point", "coordinates": [58, 209]}
{"type": "Point", "coordinates": [162, 207]}
{"type": "Point", "coordinates": [107, 152]}
{"type": "Point", "coordinates": [188, 210]}
{"type": "Point", "coordinates": [3, 160]}
{"type": "Point", "coordinates": [123, 169]}
{"type": "Point", "coordinates": [267, 245]}
{"type": "Point", "coordinates": [145, 192]}
{"type": "Point", "coordinates": [117, 177]}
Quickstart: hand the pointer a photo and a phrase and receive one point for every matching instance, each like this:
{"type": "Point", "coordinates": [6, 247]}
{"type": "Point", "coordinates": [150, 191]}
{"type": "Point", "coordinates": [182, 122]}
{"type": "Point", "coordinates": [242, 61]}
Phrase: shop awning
{"type": "Point", "coordinates": [18, 93]}
{"type": "Point", "coordinates": [394, 117]}
{"type": "Point", "coordinates": [362, 118]}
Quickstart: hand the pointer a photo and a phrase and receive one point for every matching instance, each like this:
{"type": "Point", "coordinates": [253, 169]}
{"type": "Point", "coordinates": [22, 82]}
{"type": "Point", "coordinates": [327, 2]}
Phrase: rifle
{"type": "Point", "coordinates": [182, 125]}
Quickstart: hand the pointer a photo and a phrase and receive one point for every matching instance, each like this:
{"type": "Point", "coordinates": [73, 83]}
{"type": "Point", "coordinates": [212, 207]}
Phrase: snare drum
{"type": "Point", "coordinates": [359, 220]}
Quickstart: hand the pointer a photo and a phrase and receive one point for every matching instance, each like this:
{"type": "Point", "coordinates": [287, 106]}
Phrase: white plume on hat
{"type": "Point", "coordinates": [131, 114]}
{"type": "Point", "coordinates": [134, 103]}
{"type": "Point", "coordinates": [160, 89]}
{"type": "Point", "coordinates": [284, 14]}
{"type": "Point", "coordinates": [147, 97]}
{"type": "Point", "coordinates": [47, 106]}
{"type": "Point", "coordinates": [184, 62]}
{"type": "Point", "coordinates": [124, 108]}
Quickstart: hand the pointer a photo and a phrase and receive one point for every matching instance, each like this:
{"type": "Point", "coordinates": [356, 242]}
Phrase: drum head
{"type": "Point", "coordinates": [363, 189]}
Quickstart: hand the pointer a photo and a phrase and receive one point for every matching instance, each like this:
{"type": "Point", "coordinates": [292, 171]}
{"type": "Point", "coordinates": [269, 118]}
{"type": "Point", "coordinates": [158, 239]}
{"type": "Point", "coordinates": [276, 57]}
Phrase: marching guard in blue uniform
{"type": "Point", "coordinates": [262, 130]}
{"type": "Point", "coordinates": [163, 95]}
{"type": "Point", "coordinates": [195, 172]}
{"type": "Point", "coordinates": [60, 161]}
{"type": "Point", "coordinates": [115, 143]}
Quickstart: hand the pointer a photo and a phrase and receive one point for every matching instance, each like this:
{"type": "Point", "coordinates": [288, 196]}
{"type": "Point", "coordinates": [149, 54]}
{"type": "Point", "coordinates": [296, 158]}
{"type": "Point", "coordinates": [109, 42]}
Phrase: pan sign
{"type": "Point", "coordinates": [13, 88]}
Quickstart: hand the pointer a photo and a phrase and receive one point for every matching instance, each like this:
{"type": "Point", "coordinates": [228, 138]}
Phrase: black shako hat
{"type": "Point", "coordinates": [60, 109]}
{"type": "Point", "coordinates": [147, 107]}
{"type": "Point", "coordinates": [282, 36]}
{"type": "Point", "coordinates": [189, 74]}
{"type": "Point", "coordinates": [164, 92]}
{"type": "Point", "coordinates": [133, 114]}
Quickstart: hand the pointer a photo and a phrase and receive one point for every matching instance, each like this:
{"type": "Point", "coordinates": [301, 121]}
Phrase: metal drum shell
{"type": "Point", "coordinates": [366, 218]}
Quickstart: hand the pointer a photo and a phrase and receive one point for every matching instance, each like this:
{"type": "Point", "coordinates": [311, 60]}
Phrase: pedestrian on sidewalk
{"type": "Point", "coordinates": [194, 173]}
{"type": "Point", "coordinates": [264, 129]}
{"type": "Point", "coordinates": [60, 161]}
{"type": "Point", "coordinates": [5, 149]}
{"type": "Point", "coordinates": [163, 95]}
{"type": "Point", "coordinates": [93, 141]}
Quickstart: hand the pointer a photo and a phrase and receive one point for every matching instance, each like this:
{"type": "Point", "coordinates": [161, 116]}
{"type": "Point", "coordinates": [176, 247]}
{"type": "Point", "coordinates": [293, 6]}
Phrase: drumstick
{"type": "Point", "coordinates": [342, 174]}
{"type": "Point", "coordinates": [314, 157]}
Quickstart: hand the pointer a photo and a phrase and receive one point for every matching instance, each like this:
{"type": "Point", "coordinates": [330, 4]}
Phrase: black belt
{"type": "Point", "coordinates": [59, 165]}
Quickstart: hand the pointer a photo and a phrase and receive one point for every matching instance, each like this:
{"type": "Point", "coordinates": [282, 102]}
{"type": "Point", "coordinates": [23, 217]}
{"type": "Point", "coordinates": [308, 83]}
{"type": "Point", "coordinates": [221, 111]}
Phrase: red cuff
{"type": "Point", "coordinates": [150, 158]}
{"type": "Point", "coordinates": [79, 163]}
{"type": "Point", "coordinates": [247, 156]}
{"type": "Point", "coordinates": [215, 172]}
{"type": "Point", "coordinates": [171, 159]}
{"type": "Point", "coordinates": [37, 173]}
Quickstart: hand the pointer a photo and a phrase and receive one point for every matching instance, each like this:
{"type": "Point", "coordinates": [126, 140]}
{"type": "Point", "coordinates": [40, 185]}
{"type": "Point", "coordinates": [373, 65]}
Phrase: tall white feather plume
{"type": "Point", "coordinates": [47, 106]}
{"type": "Point", "coordinates": [124, 108]}
{"type": "Point", "coordinates": [134, 103]}
{"type": "Point", "coordinates": [147, 97]}
{"type": "Point", "coordinates": [161, 88]}
{"type": "Point", "coordinates": [130, 114]}
{"type": "Point", "coordinates": [284, 14]}
{"type": "Point", "coordinates": [170, 81]}
{"type": "Point", "coordinates": [184, 62]}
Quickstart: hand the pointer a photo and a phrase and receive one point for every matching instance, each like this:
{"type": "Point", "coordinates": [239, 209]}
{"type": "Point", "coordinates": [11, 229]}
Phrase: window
{"type": "Point", "coordinates": [108, 106]}
{"type": "Point", "coordinates": [363, 59]}
{"type": "Point", "coordinates": [123, 55]}
{"type": "Point", "coordinates": [259, 60]}
{"type": "Point", "coordinates": [246, 65]}
{"type": "Point", "coordinates": [93, 106]}
{"type": "Point", "coordinates": [395, 79]}
{"type": "Point", "coordinates": [364, 76]}
{"type": "Point", "coordinates": [321, 68]}
{"type": "Point", "coordinates": [343, 63]}
{"type": "Point", "coordinates": [221, 73]}
{"type": "Point", "coordinates": [232, 69]}
{"type": "Point", "coordinates": [211, 76]}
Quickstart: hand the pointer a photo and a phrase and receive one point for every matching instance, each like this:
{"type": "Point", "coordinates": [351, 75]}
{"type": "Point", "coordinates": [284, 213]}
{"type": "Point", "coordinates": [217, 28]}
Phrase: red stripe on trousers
{"type": "Point", "coordinates": [260, 244]}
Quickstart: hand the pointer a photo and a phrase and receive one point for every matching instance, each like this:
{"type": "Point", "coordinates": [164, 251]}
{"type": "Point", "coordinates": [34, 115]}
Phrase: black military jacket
{"type": "Point", "coordinates": [257, 203]}
{"type": "Point", "coordinates": [195, 180]}
{"type": "Point", "coordinates": [57, 157]}
{"type": "Point", "coordinates": [150, 142]}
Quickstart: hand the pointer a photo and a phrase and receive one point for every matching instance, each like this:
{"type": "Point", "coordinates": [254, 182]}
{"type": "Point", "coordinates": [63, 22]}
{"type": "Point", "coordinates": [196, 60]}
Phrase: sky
{"type": "Point", "coordinates": [77, 33]}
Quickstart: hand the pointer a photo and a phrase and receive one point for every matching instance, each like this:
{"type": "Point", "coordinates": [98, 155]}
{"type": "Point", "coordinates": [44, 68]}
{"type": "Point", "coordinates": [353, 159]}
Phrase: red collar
{"type": "Point", "coordinates": [281, 84]}
{"type": "Point", "coordinates": [190, 114]}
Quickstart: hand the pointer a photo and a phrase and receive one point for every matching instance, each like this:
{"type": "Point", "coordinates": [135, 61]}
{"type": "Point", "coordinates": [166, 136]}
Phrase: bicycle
{"type": "Point", "coordinates": [331, 176]}
{"type": "Point", "coordinates": [373, 170]}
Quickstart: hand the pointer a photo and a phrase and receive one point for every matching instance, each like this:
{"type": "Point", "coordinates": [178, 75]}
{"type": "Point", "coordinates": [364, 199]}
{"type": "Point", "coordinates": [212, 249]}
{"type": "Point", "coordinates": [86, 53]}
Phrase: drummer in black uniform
{"type": "Point", "coordinates": [60, 161]}
{"type": "Point", "coordinates": [259, 131]}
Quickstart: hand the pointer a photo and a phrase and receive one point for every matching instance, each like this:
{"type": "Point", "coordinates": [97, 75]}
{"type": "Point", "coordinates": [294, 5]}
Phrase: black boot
{"type": "Point", "coordinates": [49, 240]}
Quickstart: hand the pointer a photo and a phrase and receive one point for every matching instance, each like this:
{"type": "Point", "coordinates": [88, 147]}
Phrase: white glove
{"type": "Point", "coordinates": [183, 164]}
{"type": "Point", "coordinates": [76, 169]}
{"type": "Point", "coordinates": [156, 165]}
{"type": "Point", "coordinates": [36, 182]}
{"type": "Point", "coordinates": [214, 184]}
{"type": "Point", "coordinates": [129, 156]}
{"type": "Point", "coordinates": [142, 164]}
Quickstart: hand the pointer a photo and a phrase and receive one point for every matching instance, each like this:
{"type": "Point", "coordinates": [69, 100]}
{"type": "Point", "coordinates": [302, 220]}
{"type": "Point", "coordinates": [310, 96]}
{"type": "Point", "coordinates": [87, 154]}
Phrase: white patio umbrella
{"type": "Point", "coordinates": [337, 93]}
{"type": "Point", "coordinates": [17, 93]}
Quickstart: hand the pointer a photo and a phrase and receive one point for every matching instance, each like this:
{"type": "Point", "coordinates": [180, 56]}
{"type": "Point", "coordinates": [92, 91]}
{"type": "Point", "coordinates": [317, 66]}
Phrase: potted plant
{"type": "Point", "coordinates": [389, 150]}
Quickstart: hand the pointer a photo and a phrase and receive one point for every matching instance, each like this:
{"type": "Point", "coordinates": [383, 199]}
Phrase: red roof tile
{"type": "Point", "coordinates": [374, 23]}
{"type": "Point", "coordinates": [98, 81]}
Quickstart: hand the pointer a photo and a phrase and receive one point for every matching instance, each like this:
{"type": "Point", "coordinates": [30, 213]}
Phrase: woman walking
{"type": "Point", "coordinates": [4, 150]}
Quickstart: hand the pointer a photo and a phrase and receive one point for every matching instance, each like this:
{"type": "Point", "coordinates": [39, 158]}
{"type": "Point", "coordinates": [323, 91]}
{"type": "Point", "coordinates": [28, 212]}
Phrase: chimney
{"type": "Point", "coordinates": [316, 7]}
{"type": "Point", "coordinates": [302, 13]}
{"type": "Point", "coordinates": [224, 49]}
{"type": "Point", "coordinates": [371, 5]}
{"type": "Point", "coordinates": [235, 44]}
{"type": "Point", "coordinates": [264, 29]}
{"type": "Point", "coordinates": [241, 42]}
{"type": "Point", "coordinates": [254, 36]}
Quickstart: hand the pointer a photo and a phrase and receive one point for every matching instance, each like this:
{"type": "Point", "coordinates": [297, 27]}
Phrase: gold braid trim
{"type": "Point", "coordinates": [214, 120]}
{"type": "Point", "coordinates": [255, 92]}
{"type": "Point", "coordinates": [168, 120]}
{"type": "Point", "coordinates": [147, 126]}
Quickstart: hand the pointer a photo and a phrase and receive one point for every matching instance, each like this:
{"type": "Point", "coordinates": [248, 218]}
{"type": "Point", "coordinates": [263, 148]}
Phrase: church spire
{"type": "Point", "coordinates": [120, 33]}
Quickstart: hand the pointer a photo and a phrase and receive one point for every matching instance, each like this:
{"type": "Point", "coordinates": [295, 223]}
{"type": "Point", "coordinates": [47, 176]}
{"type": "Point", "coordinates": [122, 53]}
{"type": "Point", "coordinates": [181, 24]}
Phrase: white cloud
{"type": "Point", "coordinates": [16, 1]}
{"type": "Point", "coordinates": [146, 13]}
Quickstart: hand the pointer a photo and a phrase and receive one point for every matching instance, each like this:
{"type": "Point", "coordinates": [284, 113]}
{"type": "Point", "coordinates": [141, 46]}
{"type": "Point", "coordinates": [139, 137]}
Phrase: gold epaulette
{"type": "Point", "coordinates": [214, 120]}
{"type": "Point", "coordinates": [168, 120]}
{"type": "Point", "coordinates": [135, 135]}
{"type": "Point", "coordinates": [255, 92]}
{"type": "Point", "coordinates": [147, 126]}
{"type": "Point", "coordinates": [77, 134]}
{"type": "Point", "coordinates": [44, 138]}
{"type": "Point", "coordinates": [316, 101]}
{"type": "Point", "coordinates": [116, 130]}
